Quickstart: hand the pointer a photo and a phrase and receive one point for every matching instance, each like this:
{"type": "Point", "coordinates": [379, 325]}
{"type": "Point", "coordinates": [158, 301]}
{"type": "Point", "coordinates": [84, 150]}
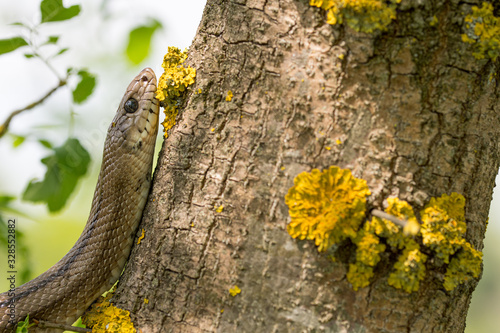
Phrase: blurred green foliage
{"type": "Point", "coordinates": [65, 167]}
{"type": "Point", "coordinates": [68, 163]}
{"type": "Point", "coordinates": [139, 42]}
{"type": "Point", "coordinates": [54, 10]}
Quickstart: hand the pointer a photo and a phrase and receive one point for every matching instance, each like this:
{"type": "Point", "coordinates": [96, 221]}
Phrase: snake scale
{"type": "Point", "coordinates": [95, 262]}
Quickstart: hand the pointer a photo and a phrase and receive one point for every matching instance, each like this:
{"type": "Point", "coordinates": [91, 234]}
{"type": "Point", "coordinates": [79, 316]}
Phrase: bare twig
{"type": "Point", "coordinates": [46, 324]}
{"type": "Point", "coordinates": [5, 126]}
{"type": "Point", "coordinates": [392, 218]}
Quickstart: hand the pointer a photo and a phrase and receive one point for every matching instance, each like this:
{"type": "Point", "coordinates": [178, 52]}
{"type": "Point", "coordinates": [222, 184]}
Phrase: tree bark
{"type": "Point", "coordinates": [410, 110]}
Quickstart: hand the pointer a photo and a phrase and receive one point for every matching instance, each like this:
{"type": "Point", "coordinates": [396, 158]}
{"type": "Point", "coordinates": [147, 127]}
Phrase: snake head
{"type": "Point", "coordinates": [136, 122]}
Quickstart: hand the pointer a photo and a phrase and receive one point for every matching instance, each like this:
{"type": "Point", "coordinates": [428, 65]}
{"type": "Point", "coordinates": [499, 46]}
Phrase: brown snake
{"type": "Point", "coordinates": [95, 262]}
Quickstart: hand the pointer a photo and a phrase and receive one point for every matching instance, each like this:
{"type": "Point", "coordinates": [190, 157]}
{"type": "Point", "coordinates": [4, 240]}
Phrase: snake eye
{"type": "Point", "coordinates": [131, 105]}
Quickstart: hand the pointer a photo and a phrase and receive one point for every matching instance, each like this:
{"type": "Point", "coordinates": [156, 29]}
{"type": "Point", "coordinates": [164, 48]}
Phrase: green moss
{"type": "Point", "coordinates": [361, 15]}
{"type": "Point", "coordinates": [483, 32]}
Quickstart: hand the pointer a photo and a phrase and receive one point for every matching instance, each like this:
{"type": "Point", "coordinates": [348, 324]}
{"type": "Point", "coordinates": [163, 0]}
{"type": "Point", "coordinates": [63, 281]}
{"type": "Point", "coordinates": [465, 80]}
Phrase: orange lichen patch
{"type": "Point", "coordinates": [105, 317]}
{"type": "Point", "coordinates": [361, 15]}
{"type": "Point", "coordinates": [326, 206]}
{"type": "Point", "coordinates": [174, 80]}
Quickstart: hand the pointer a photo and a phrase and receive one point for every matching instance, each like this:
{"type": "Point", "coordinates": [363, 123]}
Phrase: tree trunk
{"type": "Point", "coordinates": [410, 110]}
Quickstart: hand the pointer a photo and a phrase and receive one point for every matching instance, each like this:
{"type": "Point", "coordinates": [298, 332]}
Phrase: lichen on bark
{"type": "Point", "coordinates": [415, 115]}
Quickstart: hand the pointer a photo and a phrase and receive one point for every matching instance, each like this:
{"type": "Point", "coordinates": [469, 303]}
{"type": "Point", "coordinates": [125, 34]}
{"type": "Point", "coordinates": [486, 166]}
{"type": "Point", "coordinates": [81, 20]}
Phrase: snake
{"type": "Point", "coordinates": [92, 266]}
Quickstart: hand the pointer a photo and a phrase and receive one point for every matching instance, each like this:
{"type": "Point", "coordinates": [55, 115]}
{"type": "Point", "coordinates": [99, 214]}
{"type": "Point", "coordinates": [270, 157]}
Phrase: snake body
{"type": "Point", "coordinates": [95, 262]}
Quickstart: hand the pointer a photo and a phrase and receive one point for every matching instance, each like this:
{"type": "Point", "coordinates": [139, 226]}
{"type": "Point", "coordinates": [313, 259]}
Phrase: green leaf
{"type": "Point", "coordinates": [11, 44]}
{"type": "Point", "coordinates": [64, 168]}
{"type": "Point", "coordinates": [52, 40]}
{"type": "Point", "coordinates": [85, 87]}
{"type": "Point", "coordinates": [5, 200]}
{"type": "Point", "coordinates": [18, 140]}
{"type": "Point", "coordinates": [61, 51]}
{"type": "Point", "coordinates": [139, 42]}
{"type": "Point", "coordinates": [22, 326]}
{"type": "Point", "coordinates": [19, 24]}
{"type": "Point", "coordinates": [5, 206]}
{"type": "Point", "coordinates": [45, 143]}
{"type": "Point", "coordinates": [29, 55]}
{"type": "Point", "coordinates": [54, 10]}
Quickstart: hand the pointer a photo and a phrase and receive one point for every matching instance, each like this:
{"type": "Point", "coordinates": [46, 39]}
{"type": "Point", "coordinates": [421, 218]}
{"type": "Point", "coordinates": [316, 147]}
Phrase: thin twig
{"type": "Point", "coordinates": [5, 126]}
{"type": "Point", "coordinates": [46, 324]}
{"type": "Point", "coordinates": [392, 218]}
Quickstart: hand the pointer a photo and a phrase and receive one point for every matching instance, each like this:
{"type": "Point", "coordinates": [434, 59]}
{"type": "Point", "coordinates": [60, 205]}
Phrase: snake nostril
{"type": "Point", "coordinates": [144, 78]}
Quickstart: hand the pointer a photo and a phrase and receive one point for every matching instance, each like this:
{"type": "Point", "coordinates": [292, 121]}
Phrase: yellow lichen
{"type": "Point", "coordinates": [361, 15]}
{"type": "Point", "coordinates": [105, 317]}
{"type": "Point", "coordinates": [443, 225]}
{"type": "Point", "coordinates": [369, 248]}
{"type": "Point", "coordinates": [409, 270]}
{"type": "Point", "coordinates": [327, 206]}
{"type": "Point", "coordinates": [367, 257]}
{"type": "Point", "coordinates": [359, 275]}
{"type": "Point", "coordinates": [174, 80]}
{"type": "Point", "coordinates": [219, 209]}
{"type": "Point", "coordinates": [443, 230]}
{"type": "Point", "coordinates": [229, 96]}
{"type": "Point", "coordinates": [387, 229]}
{"type": "Point", "coordinates": [483, 31]}
{"type": "Point", "coordinates": [434, 21]}
{"type": "Point", "coordinates": [234, 291]}
{"type": "Point", "coordinates": [141, 237]}
{"type": "Point", "coordinates": [465, 265]}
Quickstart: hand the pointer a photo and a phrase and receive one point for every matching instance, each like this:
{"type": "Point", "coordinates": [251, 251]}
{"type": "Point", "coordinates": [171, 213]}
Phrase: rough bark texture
{"type": "Point", "coordinates": [417, 116]}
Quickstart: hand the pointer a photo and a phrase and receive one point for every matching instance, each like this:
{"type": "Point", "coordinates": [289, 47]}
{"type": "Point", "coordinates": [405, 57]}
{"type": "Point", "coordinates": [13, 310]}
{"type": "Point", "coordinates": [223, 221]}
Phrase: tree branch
{"type": "Point", "coordinates": [392, 218]}
{"type": "Point", "coordinates": [5, 126]}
